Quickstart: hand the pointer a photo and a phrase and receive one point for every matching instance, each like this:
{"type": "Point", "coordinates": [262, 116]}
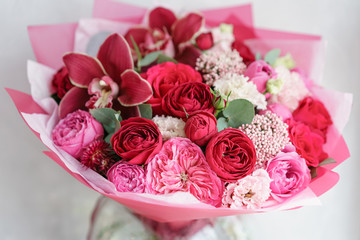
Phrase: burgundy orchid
{"type": "Point", "coordinates": [98, 81]}
{"type": "Point", "coordinates": [167, 33]}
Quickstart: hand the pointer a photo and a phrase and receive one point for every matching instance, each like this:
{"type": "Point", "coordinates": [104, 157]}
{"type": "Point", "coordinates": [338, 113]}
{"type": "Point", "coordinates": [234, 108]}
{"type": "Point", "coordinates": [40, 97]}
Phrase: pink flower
{"type": "Point", "coordinates": [127, 177]}
{"type": "Point", "coordinates": [289, 173]}
{"type": "Point", "coordinates": [74, 132]}
{"type": "Point", "coordinates": [250, 191]}
{"type": "Point", "coordinates": [181, 166]}
{"type": "Point", "coordinates": [280, 110]}
{"type": "Point", "coordinates": [259, 72]}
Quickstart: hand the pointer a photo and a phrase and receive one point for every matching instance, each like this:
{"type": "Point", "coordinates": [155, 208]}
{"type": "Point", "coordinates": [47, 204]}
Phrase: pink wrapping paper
{"type": "Point", "coordinates": [40, 111]}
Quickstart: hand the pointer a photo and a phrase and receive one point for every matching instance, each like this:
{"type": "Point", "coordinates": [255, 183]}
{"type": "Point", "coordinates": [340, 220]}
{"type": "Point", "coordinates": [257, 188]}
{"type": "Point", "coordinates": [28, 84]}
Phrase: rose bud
{"type": "Point", "coordinates": [137, 140]}
{"type": "Point", "coordinates": [61, 82]}
{"type": "Point", "coordinates": [205, 41]}
{"type": "Point", "coordinates": [200, 127]}
{"type": "Point", "coordinates": [76, 131]}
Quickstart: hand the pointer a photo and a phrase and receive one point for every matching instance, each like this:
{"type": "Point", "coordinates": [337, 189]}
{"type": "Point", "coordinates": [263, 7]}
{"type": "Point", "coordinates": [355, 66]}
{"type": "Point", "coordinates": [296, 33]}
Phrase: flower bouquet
{"type": "Point", "coordinates": [184, 116]}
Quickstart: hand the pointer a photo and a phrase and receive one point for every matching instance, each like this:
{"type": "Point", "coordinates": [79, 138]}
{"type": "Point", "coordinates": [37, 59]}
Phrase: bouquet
{"type": "Point", "coordinates": [183, 116]}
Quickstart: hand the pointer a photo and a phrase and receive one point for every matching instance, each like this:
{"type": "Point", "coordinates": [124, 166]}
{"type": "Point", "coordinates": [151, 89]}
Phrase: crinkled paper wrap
{"type": "Point", "coordinates": [40, 112]}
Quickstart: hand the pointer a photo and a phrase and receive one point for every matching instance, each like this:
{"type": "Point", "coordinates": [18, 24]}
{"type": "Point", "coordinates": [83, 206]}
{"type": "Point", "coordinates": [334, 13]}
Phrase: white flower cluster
{"type": "Point", "coordinates": [240, 88]}
{"type": "Point", "coordinates": [170, 126]}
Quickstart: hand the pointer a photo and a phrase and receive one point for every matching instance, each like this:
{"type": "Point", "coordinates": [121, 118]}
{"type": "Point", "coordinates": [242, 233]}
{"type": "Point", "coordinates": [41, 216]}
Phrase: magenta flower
{"type": "Point", "coordinates": [127, 177]}
{"type": "Point", "coordinates": [259, 72]}
{"type": "Point", "coordinates": [99, 81]}
{"type": "Point", "coordinates": [181, 166]}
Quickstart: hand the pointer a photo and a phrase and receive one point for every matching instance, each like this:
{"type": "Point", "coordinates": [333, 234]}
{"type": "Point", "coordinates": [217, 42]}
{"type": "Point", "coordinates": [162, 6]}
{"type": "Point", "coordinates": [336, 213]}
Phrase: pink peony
{"type": "Point", "coordinates": [127, 177]}
{"type": "Point", "coordinates": [250, 191]}
{"type": "Point", "coordinates": [259, 72]}
{"type": "Point", "coordinates": [280, 110]}
{"type": "Point", "coordinates": [74, 132]}
{"type": "Point", "coordinates": [181, 166]}
{"type": "Point", "coordinates": [289, 174]}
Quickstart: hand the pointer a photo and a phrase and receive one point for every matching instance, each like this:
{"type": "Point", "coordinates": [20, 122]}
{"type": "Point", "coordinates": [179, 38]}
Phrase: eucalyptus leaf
{"type": "Point", "coordinates": [313, 172]}
{"type": "Point", "coordinates": [107, 117]}
{"type": "Point", "coordinates": [221, 124]}
{"type": "Point", "coordinates": [108, 138]}
{"type": "Point", "coordinates": [258, 56]}
{"type": "Point", "coordinates": [163, 58]}
{"type": "Point", "coordinates": [272, 55]}
{"type": "Point", "coordinates": [145, 111]}
{"type": "Point", "coordinates": [150, 58]}
{"type": "Point", "coordinates": [327, 161]}
{"type": "Point", "coordinates": [238, 112]}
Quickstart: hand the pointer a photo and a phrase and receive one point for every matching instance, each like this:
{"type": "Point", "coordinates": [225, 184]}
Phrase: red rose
{"type": "Point", "coordinates": [189, 97]}
{"type": "Point", "coordinates": [164, 76]}
{"type": "Point", "coordinates": [308, 144]}
{"type": "Point", "coordinates": [314, 114]}
{"type": "Point", "coordinates": [61, 82]}
{"type": "Point", "coordinates": [244, 51]}
{"type": "Point", "coordinates": [200, 127]}
{"type": "Point", "coordinates": [137, 140]}
{"type": "Point", "coordinates": [231, 154]}
{"type": "Point", "coordinates": [205, 41]}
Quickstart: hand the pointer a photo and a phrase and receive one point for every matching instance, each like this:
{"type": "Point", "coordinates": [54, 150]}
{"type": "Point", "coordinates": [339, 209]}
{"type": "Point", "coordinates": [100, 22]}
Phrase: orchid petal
{"type": "Point", "coordinates": [189, 55]}
{"type": "Point", "coordinates": [161, 18]}
{"type": "Point", "coordinates": [134, 90]}
{"type": "Point", "coordinates": [115, 55]}
{"type": "Point", "coordinates": [82, 68]}
{"type": "Point", "coordinates": [185, 28]}
{"type": "Point", "coordinates": [73, 100]}
{"type": "Point", "coordinates": [138, 34]}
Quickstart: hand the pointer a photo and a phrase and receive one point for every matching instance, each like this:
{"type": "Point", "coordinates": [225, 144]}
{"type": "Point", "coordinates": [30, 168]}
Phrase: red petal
{"type": "Point", "coordinates": [73, 100]}
{"type": "Point", "coordinates": [161, 17]}
{"type": "Point", "coordinates": [134, 90]}
{"type": "Point", "coordinates": [205, 41]}
{"type": "Point", "coordinates": [185, 28]}
{"type": "Point", "coordinates": [138, 34]}
{"type": "Point", "coordinates": [82, 68]}
{"type": "Point", "coordinates": [189, 55]}
{"type": "Point", "coordinates": [115, 56]}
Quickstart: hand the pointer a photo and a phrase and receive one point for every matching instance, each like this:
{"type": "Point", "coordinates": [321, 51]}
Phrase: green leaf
{"type": "Point", "coordinates": [108, 138]}
{"type": "Point", "coordinates": [272, 55]}
{"type": "Point", "coordinates": [136, 48]}
{"type": "Point", "coordinates": [145, 111]}
{"type": "Point", "coordinates": [313, 172]}
{"type": "Point", "coordinates": [221, 124]}
{"type": "Point", "coordinates": [163, 58]}
{"type": "Point", "coordinates": [150, 58]}
{"type": "Point", "coordinates": [238, 112]}
{"type": "Point", "coordinates": [327, 161]}
{"type": "Point", "coordinates": [109, 118]}
{"type": "Point", "coordinates": [258, 56]}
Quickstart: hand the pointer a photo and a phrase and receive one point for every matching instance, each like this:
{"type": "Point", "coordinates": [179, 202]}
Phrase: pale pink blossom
{"type": "Point", "coordinates": [249, 192]}
{"type": "Point", "coordinates": [181, 166]}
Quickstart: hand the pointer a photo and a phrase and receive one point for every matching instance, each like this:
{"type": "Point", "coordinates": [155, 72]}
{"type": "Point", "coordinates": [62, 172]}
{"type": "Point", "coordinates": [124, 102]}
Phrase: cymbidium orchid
{"type": "Point", "coordinates": [105, 81]}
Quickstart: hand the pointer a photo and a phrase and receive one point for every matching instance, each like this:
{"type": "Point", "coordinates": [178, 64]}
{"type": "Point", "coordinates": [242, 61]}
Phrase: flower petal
{"type": "Point", "coordinates": [189, 55]}
{"type": "Point", "coordinates": [161, 17]}
{"type": "Point", "coordinates": [73, 100]}
{"type": "Point", "coordinates": [138, 34]}
{"type": "Point", "coordinates": [185, 28]}
{"type": "Point", "coordinates": [115, 55]}
{"type": "Point", "coordinates": [82, 68]}
{"type": "Point", "coordinates": [134, 90]}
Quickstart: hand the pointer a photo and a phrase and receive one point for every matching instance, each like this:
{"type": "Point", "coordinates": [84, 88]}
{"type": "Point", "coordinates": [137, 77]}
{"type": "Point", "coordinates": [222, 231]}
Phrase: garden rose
{"type": "Point", "coordinates": [137, 140]}
{"type": "Point", "coordinates": [259, 72]}
{"type": "Point", "coordinates": [164, 76]}
{"type": "Point", "coordinates": [231, 154]}
{"type": "Point", "coordinates": [289, 174]}
{"type": "Point", "coordinates": [74, 132]}
{"type": "Point", "coordinates": [308, 144]}
{"type": "Point", "coordinates": [313, 113]}
{"type": "Point", "coordinates": [200, 127]}
{"type": "Point", "coordinates": [127, 177]}
{"type": "Point", "coordinates": [181, 166]}
{"type": "Point", "coordinates": [189, 97]}
{"type": "Point", "coordinates": [61, 82]}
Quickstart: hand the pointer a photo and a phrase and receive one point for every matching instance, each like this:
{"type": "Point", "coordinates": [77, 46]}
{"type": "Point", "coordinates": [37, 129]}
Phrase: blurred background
{"type": "Point", "coordinates": [39, 200]}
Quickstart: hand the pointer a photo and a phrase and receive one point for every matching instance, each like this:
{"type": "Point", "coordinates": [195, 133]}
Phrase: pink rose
{"type": "Point", "coordinates": [259, 72]}
{"type": "Point", "coordinates": [289, 173]}
{"type": "Point", "coordinates": [74, 132]}
{"type": "Point", "coordinates": [200, 127]}
{"type": "Point", "coordinates": [127, 177]}
{"type": "Point", "coordinates": [137, 140]}
{"type": "Point", "coordinates": [181, 166]}
{"type": "Point", "coordinates": [280, 110]}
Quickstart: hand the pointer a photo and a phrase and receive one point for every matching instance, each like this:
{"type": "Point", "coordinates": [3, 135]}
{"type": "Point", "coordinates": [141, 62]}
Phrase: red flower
{"type": "Point", "coordinates": [165, 76]}
{"type": "Point", "coordinates": [200, 127]}
{"type": "Point", "coordinates": [244, 51]}
{"type": "Point", "coordinates": [231, 154]}
{"type": "Point", "coordinates": [61, 82]}
{"type": "Point", "coordinates": [189, 97]}
{"type": "Point", "coordinates": [137, 140]}
{"type": "Point", "coordinates": [205, 41]}
{"type": "Point", "coordinates": [308, 144]}
{"type": "Point", "coordinates": [100, 80]}
{"type": "Point", "coordinates": [313, 113]}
